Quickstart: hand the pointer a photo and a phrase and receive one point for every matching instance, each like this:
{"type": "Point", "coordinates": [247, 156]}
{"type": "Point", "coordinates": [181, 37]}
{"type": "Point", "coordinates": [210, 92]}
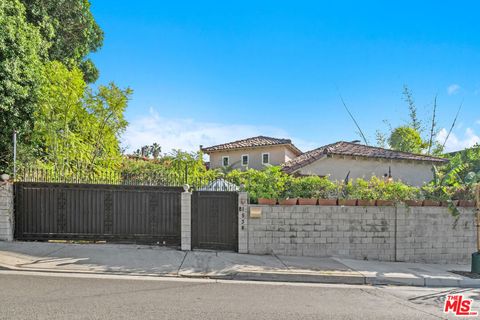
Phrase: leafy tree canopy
{"type": "Point", "coordinates": [77, 127]}
{"type": "Point", "coordinates": [406, 139]}
{"type": "Point", "coordinates": [20, 73]}
{"type": "Point", "coordinates": [70, 29]}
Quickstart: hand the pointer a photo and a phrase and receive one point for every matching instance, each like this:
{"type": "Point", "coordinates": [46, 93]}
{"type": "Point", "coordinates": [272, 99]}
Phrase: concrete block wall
{"type": "Point", "coordinates": [431, 234]}
{"type": "Point", "coordinates": [412, 234]}
{"type": "Point", "coordinates": [6, 211]}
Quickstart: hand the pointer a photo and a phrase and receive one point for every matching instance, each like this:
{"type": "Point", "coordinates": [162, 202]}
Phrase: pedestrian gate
{"type": "Point", "coordinates": [215, 220]}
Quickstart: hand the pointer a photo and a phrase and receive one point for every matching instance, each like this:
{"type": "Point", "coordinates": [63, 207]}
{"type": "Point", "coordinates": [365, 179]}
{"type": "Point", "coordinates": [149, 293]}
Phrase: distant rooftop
{"type": "Point", "coordinates": [355, 149]}
{"type": "Point", "coordinates": [260, 141]}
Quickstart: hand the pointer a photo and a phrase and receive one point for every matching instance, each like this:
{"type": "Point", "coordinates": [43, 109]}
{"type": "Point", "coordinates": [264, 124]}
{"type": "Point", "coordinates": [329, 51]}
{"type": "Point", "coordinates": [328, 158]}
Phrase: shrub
{"type": "Point", "coordinates": [378, 189]}
{"type": "Point", "coordinates": [311, 187]}
{"type": "Point", "coordinates": [269, 183]}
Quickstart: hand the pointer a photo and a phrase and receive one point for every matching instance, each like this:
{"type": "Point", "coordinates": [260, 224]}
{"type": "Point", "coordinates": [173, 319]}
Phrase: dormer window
{"type": "Point", "coordinates": [245, 160]}
{"type": "Point", "coordinates": [225, 161]}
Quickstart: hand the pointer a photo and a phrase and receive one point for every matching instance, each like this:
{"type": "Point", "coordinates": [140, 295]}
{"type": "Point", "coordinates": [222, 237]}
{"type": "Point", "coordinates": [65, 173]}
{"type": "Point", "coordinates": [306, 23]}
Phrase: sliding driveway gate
{"type": "Point", "coordinates": [119, 213]}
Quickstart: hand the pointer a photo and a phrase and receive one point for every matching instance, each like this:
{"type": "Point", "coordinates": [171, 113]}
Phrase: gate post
{"type": "Point", "coordinates": [6, 211]}
{"type": "Point", "coordinates": [186, 221]}
{"type": "Point", "coordinates": [242, 222]}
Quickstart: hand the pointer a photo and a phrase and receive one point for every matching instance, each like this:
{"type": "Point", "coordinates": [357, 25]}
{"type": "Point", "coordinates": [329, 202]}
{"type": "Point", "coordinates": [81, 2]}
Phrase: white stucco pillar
{"type": "Point", "coordinates": [186, 221]}
{"type": "Point", "coordinates": [242, 222]}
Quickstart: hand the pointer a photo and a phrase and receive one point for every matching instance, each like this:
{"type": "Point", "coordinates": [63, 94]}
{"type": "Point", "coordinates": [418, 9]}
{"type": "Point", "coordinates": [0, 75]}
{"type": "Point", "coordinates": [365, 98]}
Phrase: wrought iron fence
{"type": "Point", "coordinates": [214, 182]}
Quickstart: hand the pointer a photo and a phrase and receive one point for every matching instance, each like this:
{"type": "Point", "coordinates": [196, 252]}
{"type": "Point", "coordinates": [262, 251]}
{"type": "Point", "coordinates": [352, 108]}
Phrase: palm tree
{"type": "Point", "coordinates": [155, 150]}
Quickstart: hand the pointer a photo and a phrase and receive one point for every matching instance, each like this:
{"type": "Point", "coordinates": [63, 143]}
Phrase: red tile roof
{"type": "Point", "coordinates": [354, 149]}
{"type": "Point", "coordinates": [260, 141]}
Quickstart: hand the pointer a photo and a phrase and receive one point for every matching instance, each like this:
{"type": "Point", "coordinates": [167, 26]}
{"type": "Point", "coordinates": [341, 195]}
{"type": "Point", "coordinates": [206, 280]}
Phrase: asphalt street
{"type": "Point", "coordinates": [31, 295]}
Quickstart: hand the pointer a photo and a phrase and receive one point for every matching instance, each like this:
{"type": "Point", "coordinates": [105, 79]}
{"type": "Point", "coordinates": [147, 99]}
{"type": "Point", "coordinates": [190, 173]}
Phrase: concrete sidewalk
{"type": "Point", "coordinates": [160, 261]}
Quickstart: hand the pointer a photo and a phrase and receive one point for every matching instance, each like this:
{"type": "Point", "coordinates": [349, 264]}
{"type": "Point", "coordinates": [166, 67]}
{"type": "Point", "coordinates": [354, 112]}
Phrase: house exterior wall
{"type": "Point", "coordinates": [410, 234]}
{"type": "Point", "coordinates": [412, 173]}
{"type": "Point", "coordinates": [278, 156]}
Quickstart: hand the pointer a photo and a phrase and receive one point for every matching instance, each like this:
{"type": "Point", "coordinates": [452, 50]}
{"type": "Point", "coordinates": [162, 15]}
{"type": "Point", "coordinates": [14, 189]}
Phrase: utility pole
{"type": "Point", "coordinates": [476, 255]}
{"type": "Point", "coordinates": [14, 155]}
{"type": "Point", "coordinates": [477, 202]}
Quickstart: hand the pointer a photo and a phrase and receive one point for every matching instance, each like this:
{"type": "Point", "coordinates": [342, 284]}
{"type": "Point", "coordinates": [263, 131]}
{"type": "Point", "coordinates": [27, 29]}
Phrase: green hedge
{"type": "Point", "coordinates": [273, 183]}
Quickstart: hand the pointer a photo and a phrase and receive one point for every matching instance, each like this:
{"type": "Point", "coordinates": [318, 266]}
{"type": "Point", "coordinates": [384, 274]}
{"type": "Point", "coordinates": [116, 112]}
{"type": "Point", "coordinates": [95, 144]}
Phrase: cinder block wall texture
{"type": "Point", "coordinates": [6, 212]}
{"type": "Point", "coordinates": [410, 234]}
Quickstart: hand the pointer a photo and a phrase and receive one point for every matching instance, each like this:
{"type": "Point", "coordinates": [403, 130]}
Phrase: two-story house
{"type": "Point", "coordinates": [255, 153]}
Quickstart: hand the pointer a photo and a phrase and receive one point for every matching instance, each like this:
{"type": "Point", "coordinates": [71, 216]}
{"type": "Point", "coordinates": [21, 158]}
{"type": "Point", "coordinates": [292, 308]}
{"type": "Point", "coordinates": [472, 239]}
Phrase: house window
{"type": "Point", "coordinates": [225, 161]}
{"type": "Point", "coordinates": [265, 158]}
{"type": "Point", "coordinates": [245, 160]}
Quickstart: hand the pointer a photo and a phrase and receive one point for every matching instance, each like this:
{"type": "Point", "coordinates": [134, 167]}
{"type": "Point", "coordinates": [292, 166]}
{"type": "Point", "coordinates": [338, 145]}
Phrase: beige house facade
{"type": "Point", "coordinates": [255, 153]}
{"type": "Point", "coordinates": [340, 159]}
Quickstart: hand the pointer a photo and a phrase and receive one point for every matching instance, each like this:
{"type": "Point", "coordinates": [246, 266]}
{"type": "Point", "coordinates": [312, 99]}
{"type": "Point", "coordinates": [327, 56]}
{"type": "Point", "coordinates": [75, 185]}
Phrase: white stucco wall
{"type": "Point", "coordinates": [278, 156]}
{"type": "Point", "coordinates": [413, 173]}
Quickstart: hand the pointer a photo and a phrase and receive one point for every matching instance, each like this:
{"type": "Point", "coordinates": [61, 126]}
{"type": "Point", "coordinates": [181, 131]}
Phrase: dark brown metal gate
{"type": "Point", "coordinates": [215, 220]}
{"type": "Point", "coordinates": [118, 213]}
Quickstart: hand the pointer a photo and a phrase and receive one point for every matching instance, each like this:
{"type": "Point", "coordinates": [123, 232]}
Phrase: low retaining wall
{"type": "Point", "coordinates": [410, 234]}
{"type": "Point", "coordinates": [6, 211]}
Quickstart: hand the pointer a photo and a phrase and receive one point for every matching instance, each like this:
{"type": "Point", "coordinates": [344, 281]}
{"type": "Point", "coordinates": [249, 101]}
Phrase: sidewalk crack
{"type": "Point", "coordinates": [280, 260]}
{"type": "Point", "coordinates": [181, 264]}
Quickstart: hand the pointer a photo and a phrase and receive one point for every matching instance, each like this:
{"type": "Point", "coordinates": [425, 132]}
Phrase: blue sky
{"type": "Point", "coordinates": [210, 72]}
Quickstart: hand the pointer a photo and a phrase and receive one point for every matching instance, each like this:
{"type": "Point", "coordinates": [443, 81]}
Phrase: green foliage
{"type": "Point", "coordinates": [469, 160]}
{"type": "Point", "coordinates": [70, 29]}
{"type": "Point", "coordinates": [20, 73]}
{"type": "Point", "coordinates": [268, 183]}
{"type": "Point", "coordinates": [379, 189]}
{"type": "Point", "coordinates": [412, 137]}
{"type": "Point", "coordinates": [312, 187]}
{"type": "Point", "coordinates": [73, 127]}
{"type": "Point", "coordinates": [60, 115]}
{"type": "Point", "coordinates": [406, 139]}
{"type": "Point", "coordinates": [175, 166]}
{"type": "Point", "coordinates": [415, 123]}
{"type": "Point", "coordinates": [105, 124]}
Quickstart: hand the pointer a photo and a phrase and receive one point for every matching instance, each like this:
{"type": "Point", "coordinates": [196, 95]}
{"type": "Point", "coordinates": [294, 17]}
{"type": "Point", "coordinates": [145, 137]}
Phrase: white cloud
{"type": "Point", "coordinates": [453, 89]}
{"type": "Point", "coordinates": [188, 134]}
{"type": "Point", "coordinates": [455, 143]}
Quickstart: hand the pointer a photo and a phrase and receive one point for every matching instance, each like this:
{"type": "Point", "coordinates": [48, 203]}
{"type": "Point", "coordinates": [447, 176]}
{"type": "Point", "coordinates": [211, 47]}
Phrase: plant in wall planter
{"type": "Point", "coordinates": [385, 203]}
{"type": "Point", "coordinates": [448, 203]}
{"type": "Point", "coordinates": [267, 193]}
{"type": "Point", "coordinates": [413, 203]}
{"type": "Point", "coordinates": [267, 201]}
{"type": "Point", "coordinates": [347, 202]}
{"type": "Point", "coordinates": [288, 202]}
{"type": "Point", "coordinates": [363, 191]}
{"type": "Point", "coordinates": [307, 201]}
{"type": "Point", "coordinates": [431, 203]}
{"type": "Point", "coordinates": [327, 202]}
{"type": "Point", "coordinates": [466, 203]}
{"type": "Point", "coordinates": [309, 189]}
{"type": "Point", "coordinates": [365, 203]}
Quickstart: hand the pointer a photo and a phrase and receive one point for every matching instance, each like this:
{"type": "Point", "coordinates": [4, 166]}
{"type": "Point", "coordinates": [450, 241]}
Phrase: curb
{"type": "Point", "coordinates": [301, 277]}
{"type": "Point", "coordinates": [351, 278]}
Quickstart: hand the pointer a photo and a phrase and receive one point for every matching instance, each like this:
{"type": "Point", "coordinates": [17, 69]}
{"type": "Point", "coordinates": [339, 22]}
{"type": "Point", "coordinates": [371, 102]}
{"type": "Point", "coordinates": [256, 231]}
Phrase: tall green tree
{"type": "Point", "coordinates": [406, 139]}
{"type": "Point", "coordinates": [76, 128]}
{"type": "Point", "coordinates": [71, 31]}
{"type": "Point", "coordinates": [60, 115]}
{"type": "Point", "coordinates": [105, 124]}
{"type": "Point", "coordinates": [20, 74]}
